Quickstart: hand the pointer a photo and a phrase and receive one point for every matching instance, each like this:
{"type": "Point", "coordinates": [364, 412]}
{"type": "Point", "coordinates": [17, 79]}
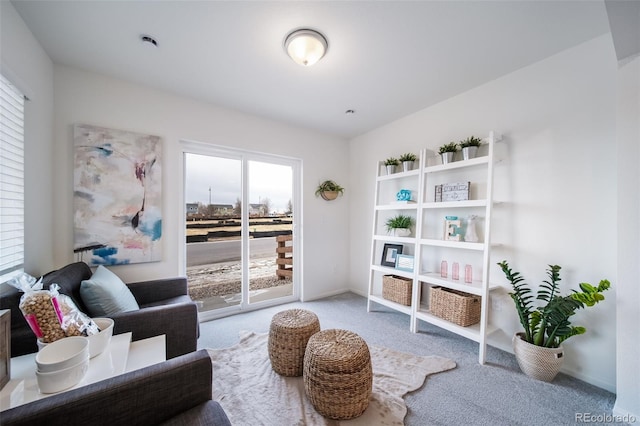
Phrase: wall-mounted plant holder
{"type": "Point", "coordinates": [329, 190]}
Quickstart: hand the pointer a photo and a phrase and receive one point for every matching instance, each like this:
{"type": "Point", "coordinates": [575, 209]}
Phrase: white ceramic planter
{"type": "Point", "coordinates": [401, 232]}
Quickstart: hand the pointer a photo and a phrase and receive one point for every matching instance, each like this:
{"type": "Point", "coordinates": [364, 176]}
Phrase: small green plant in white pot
{"type": "Point", "coordinates": [447, 151]}
{"type": "Point", "coordinates": [407, 161]}
{"type": "Point", "coordinates": [469, 147]}
{"type": "Point", "coordinates": [391, 163]}
{"type": "Point", "coordinates": [399, 226]}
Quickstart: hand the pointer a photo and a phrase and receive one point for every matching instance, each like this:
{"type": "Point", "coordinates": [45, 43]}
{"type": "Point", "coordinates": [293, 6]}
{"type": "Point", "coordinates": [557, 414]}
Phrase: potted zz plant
{"type": "Point", "coordinates": [469, 147]}
{"type": "Point", "coordinates": [407, 161]}
{"type": "Point", "coordinates": [399, 226]}
{"type": "Point", "coordinates": [391, 163]}
{"type": "Point", "coordinates": [446, 151]}
{"type": "Point", "coordinates": [538, 349]}
{"type": "Point", "coordinates": [329, 190]}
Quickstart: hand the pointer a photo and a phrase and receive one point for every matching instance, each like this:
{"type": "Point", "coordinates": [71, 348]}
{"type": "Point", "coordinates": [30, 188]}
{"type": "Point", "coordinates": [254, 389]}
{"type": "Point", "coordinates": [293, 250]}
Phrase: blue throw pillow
{"type": "Point", "coordinates": [105, 294]}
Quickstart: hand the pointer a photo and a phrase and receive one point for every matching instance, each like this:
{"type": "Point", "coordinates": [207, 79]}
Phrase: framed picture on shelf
{"type": "Point", "coordinates": [404, 262]}
{"type": "Point", "coordinates": [390, 254]}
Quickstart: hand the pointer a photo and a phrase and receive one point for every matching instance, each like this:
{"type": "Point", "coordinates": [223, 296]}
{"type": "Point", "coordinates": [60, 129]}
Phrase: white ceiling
{"type": "Point", "coordinates": [385, 59]}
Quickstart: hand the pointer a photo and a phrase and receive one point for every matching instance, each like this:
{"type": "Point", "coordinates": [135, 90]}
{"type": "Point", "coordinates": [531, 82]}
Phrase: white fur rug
{"type": "Point", "coordinates": [253, 394]}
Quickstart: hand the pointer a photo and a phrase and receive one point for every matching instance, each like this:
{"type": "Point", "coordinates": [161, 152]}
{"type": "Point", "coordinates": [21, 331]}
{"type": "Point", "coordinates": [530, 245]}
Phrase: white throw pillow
{"type": "Point", "coordinates": [105, 294]}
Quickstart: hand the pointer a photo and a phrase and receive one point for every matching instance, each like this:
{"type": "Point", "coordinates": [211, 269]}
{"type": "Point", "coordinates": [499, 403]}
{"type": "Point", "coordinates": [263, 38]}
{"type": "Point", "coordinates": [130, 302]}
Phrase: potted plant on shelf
{"type": "Point", "coordinates": [469, 147]}
{"type": "Point", "coordinates": [538, 349]}
{"type": "Point", "coordinates": [329, 190]}
{"type": "Point", "coordinates": [399, 226]}
{"type": "Point", "coordinates": [446, 151]}
{"type": "Point", "coordinates": [391, 163]}
{"type": "Point", "coordinates": [407, 161]}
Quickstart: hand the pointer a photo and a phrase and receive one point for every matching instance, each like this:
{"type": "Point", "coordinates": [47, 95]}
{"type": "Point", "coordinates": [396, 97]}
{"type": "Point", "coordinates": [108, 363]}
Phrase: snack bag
{"type": "Point", "coordinates": [40, 308]}
{"type": "Point", "coordinates": [74, 321]}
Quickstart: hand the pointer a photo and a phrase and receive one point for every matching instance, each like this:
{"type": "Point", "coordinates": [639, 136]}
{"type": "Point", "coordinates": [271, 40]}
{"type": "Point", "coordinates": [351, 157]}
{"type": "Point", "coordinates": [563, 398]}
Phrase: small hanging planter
{"type": "Point", "coordinates": [329, 190]}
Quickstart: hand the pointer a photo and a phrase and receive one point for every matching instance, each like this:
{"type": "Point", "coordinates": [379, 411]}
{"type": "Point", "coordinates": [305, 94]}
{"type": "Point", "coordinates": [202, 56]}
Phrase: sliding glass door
{"type": "Point", "coordinates": [240, 239]}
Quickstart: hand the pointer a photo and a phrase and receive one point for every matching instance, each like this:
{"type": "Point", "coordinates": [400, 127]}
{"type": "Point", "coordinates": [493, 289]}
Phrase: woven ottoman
{"type": "Point", "coordinates": [288, 335]}
{"type": "Point", "coordinates": [337, 374]}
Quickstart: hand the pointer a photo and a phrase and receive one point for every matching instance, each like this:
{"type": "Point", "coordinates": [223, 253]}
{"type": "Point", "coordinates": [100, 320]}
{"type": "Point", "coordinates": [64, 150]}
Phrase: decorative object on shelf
{"type": "Point", "coordinates": [399, 226]}
{"type": "Point", "coordinates": [389, 254]}
{"type": "Point", "coordinates": [397, 289]}
{"type": "Point", "coordinates": [470, 234]}
{"type": "Point", "coordinates": [444, 267]}
{"type": "Point", "coordinates": [455, 271]}
{"type": "Point", "coordinates": [407, 161]}
{"type": "Point", "coordinates": [539, 349]}
{"type": "Point", "coordinates": [403, 195]}
{"type": "Point", "coordinates": [468, 274]}
{"type": "Point", "coordinates": [329, 190]}
{"type": "Point", "coordinates": [455, 306]}
{"type": "Point", "coordinates": [404, 262]}
{"type": "Point", "coordinates": [390, 164]}
{"type": "Point", "coordinates": [452, 228]}
{"type": "Point", "coordinates": [456, 191]}
{"type": "Point", "coordinates": [469, 147]}
{"type": "Point", "coordinates": [447, 151]}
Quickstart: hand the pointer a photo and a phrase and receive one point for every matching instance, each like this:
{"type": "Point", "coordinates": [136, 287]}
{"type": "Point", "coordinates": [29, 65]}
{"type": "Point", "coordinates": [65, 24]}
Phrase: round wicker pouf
{"type": "Point", "coordinates": [337, 374]}
{"type": "Point", "coordinates": [288, 335]}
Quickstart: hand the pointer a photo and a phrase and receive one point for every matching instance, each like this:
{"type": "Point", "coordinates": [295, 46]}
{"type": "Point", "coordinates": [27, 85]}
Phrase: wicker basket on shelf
{"type": "Point", "coordinates": [455, 306]}
{"type": "Point", "coordinates": [397, 289]}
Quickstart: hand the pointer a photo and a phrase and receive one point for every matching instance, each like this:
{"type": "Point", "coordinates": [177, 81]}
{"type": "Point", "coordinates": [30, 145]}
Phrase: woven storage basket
{"type": "Point", "coordinates": [288, 335]}
{"type": "Point", "coordinates": [338, 377]}
{"type": "Point", "coordinates": [397, 289]}
{"type": "Point", "coordinates": [455, 306]}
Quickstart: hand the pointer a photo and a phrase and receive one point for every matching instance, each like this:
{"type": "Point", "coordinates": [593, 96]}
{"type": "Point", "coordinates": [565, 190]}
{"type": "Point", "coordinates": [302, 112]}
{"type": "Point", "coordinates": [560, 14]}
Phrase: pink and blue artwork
{"type": "Point", "coordinates": [117, 196]}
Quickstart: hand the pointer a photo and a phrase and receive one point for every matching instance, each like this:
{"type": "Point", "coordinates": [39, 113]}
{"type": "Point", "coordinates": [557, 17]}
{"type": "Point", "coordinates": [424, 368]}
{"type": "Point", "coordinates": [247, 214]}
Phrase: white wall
{"type": "Point", "coordinates": [27, 66]}
{"type": "Point", "coordinates": [628, 300]}
{"type": "Point", "coordinates": [88, 98]}
{"type": "Point", "coordinates": [557, 184]}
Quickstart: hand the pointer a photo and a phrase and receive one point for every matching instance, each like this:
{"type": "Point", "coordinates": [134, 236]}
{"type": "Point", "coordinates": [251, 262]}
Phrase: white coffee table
{"type": "Point", "coordinates": [121, 356]}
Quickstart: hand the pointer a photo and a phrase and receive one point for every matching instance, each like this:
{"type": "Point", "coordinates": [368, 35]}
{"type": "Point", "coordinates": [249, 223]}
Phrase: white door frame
{"type": "Point", "coordinates": [192, 147]}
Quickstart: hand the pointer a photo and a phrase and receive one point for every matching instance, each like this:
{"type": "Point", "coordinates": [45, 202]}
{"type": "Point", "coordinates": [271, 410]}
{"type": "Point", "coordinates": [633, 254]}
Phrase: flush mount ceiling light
{"type": "Point", "coordinates": [305, 46]}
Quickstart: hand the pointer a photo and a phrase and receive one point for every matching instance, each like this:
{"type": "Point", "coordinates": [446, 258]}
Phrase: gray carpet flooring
{"type": "Point", "coordinates": [496, 393]}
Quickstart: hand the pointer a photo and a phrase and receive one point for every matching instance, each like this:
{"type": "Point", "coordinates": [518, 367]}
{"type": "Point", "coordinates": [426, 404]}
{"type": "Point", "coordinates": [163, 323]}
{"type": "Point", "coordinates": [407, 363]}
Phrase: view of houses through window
{"type": "Point", "coordinates": [234, 256]}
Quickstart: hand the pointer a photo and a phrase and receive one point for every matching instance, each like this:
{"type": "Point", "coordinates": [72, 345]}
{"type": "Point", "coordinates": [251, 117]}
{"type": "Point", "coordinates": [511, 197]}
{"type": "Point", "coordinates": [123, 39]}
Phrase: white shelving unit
{"type": "Point", "coordinates": [385, 206]}
{"type": "Point", "coordinates": [428, 245]}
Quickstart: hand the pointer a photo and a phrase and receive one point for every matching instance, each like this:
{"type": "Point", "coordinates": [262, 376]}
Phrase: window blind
{"type": "Point", "coordinates": [11, 180]}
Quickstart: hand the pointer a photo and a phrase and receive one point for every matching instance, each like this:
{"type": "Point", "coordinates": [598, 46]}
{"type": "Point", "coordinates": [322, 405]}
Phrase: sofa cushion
{"type": "Point", "coordinates": [105, 294]}
{"type": "Point", "coordinates": [68, 279]}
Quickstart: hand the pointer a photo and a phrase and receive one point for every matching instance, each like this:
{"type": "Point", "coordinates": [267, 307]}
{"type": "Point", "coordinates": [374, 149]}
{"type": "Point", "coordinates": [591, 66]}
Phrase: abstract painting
{"type": "Point", "coordinates": [117, 196]}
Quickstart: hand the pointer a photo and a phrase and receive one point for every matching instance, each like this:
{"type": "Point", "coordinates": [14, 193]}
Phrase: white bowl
{"type": "Point", "coordinates": [62, 379]}
{"type": "Point", "coordinates": [98, 342]}
{"type": "Point", "coordinates": [62, 354]}
{"type": "Point", "coordinates": [41, 344]}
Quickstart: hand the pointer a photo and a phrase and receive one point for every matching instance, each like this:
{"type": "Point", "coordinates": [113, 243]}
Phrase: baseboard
{"type": "Point", "coordinates": [327, 294]}
{"type": "Point", "coordinates": [623, 415]}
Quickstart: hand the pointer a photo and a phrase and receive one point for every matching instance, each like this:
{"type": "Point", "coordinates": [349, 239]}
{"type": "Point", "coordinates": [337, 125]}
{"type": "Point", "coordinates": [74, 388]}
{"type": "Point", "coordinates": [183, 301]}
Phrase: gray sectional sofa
{"type": "Point", "coordinates": [172, 393]}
